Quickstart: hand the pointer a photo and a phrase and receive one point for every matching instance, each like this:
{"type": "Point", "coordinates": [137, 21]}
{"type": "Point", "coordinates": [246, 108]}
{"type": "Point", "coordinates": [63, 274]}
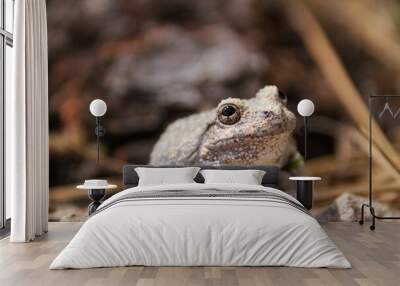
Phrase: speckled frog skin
{"type": "Point", "coordinates": [255, 131]}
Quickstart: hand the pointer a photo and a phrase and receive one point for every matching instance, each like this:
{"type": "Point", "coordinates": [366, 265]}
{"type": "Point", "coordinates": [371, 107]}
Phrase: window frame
{"type": "Point", "coordinates": [6, 39]}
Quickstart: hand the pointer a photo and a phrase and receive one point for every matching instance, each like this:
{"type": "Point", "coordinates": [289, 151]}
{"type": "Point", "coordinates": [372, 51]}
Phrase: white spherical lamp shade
{"type": "Point", "coordinates": [305, 107]}
{"type": "Point", "coordinates": [98, 107]}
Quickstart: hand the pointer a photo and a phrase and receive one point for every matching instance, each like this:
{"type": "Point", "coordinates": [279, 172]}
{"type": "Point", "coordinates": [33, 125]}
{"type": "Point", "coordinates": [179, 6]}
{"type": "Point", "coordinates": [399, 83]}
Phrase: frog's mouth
{"type": "Point", "coordinates": [276, 129]}
{"type": "Point", "coordinates": [248, 149]}
{"type": "Point", "coordinates": [250, 137]}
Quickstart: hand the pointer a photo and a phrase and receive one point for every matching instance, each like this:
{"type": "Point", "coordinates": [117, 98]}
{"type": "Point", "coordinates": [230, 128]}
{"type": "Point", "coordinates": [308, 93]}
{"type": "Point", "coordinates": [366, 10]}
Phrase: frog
{"type": "Point", "coordinates": [242, 132]}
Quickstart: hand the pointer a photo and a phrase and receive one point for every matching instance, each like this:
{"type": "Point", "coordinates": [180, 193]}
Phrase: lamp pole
{"type": "Point", "coordinates": [98, 138]}
{"type": "Point", "coordinates": [305, 136]}
{"type": "Point", "coordinates": [100, 131]}
{"type": "Point", "coordinates": [98, 108]}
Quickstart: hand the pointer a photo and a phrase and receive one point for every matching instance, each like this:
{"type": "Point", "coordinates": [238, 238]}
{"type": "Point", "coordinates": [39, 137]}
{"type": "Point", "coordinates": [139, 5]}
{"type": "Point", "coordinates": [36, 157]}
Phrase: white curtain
{"type": "Point", "coordinates": [27, 124]}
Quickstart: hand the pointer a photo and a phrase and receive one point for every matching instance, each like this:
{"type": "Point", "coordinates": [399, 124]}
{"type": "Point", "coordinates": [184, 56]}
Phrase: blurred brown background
{"type": "Point", "coordinates": [155, 61]}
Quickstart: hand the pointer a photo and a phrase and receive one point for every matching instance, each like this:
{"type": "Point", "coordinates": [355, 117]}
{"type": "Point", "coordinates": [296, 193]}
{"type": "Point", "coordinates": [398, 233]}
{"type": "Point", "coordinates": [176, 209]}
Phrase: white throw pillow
{"type": "Point", "coordinates": [162, 176]}
{"type": "Point", "coordinates": [248, 177]}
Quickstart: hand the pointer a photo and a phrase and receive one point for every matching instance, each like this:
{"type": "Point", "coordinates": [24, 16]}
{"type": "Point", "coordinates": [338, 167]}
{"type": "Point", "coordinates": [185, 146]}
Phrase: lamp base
{"type": "Point", "coordinates": [96, 195]}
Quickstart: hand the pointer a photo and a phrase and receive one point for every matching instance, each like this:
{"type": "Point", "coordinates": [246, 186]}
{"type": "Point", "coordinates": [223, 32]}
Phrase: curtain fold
{"type": "Point", "coordinates": [27, 124]}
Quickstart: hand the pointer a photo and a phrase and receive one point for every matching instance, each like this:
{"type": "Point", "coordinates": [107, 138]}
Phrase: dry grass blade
{"type": "Point", "coordinates": [323, 53]}
{"type": "Point", "coordinates": [378, 34]}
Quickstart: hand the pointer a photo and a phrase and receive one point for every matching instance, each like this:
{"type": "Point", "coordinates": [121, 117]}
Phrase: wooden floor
{"type": "Point", "coordinates": [375, 257]}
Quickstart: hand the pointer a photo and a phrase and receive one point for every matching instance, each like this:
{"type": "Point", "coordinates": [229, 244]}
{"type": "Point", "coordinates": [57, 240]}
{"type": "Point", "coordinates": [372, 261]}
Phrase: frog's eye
{"type": "Point", "coordinates": [282, 97]}
{"type": "Point", "coordinates": [228, 114]}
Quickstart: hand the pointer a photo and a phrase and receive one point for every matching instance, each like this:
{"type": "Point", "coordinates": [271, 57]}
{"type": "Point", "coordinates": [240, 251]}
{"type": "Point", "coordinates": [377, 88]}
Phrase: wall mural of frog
{"type": "Point", "coordinates": [256, 131]}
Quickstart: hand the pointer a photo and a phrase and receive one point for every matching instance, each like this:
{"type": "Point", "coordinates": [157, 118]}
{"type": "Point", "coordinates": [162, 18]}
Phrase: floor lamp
{"type": "Point", "coordinates": [305, 183]}
{"type": "Point", "coordinates": [305, 108]}
{"type": "Point", "coordinates": [97, 188]}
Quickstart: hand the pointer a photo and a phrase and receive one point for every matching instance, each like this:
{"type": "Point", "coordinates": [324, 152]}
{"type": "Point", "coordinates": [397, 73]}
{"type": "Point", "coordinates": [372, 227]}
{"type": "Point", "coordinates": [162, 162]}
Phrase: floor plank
{"type": "Point", "coordinates": [375, 257]}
